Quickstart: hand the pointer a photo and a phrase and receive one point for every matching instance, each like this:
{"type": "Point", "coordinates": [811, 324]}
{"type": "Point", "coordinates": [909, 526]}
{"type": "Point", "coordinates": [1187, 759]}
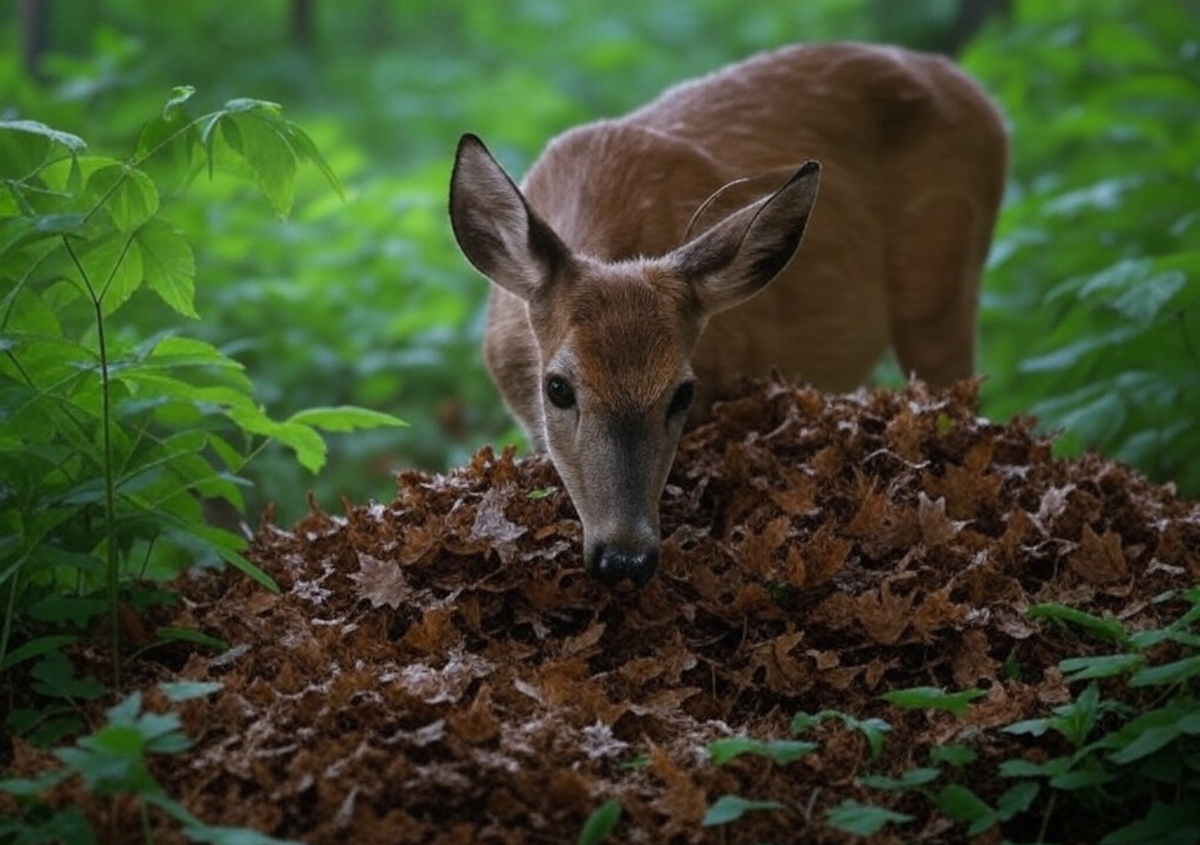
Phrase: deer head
{"type": "Point", "coordinates": [612, 383]}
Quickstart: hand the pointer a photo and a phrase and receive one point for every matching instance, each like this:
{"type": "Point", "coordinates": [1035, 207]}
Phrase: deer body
{"type": "Point", "coordinates": [645, 264]}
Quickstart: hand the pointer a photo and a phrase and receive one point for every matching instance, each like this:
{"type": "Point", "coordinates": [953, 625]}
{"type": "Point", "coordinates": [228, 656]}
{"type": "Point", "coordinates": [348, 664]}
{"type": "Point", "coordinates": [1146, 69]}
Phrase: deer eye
{"type": "Point", "coordinates": [682, 400]}
{"type": "Point", "coordinates": [560, 393]}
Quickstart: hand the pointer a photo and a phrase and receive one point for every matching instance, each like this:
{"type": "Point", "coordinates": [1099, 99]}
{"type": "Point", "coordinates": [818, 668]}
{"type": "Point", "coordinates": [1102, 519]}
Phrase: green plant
{"type": "Point", "coordinates": [112, 439]}
{"type": "Point", "coordinates": [1091, 305]}
{"type": "Point", "coordinates": [601, 823]}
{"type": "Point", "coordinates": [112, 761]}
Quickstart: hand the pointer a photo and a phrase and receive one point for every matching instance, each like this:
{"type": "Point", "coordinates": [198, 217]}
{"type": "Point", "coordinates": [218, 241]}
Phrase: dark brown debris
{"type": "Point", "coordinates": [439, 669]}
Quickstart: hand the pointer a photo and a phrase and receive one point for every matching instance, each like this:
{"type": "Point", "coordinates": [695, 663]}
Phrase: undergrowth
{"type": "Point", "coordinates": [113, 441]}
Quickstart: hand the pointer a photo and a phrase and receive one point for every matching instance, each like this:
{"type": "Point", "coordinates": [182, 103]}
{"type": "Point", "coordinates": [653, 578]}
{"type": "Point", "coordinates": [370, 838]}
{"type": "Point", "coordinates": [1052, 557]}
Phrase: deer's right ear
{"type": "Point", "coordinates": [495, 227]}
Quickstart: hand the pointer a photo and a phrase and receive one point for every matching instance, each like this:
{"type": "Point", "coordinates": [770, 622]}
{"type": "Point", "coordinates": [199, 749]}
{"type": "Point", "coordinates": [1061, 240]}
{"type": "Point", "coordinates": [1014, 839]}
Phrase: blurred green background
{"type": "Point", "coordinates": [1090, 302]}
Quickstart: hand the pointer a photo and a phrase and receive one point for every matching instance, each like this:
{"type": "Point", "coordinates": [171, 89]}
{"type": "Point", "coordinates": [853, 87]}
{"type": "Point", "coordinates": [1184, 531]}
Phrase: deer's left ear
{"type": "Point", "coordinates": [739, 256]}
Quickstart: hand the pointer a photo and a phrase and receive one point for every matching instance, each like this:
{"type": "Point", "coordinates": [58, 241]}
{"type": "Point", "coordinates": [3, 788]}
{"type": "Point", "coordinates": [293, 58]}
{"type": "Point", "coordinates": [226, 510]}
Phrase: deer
{"type": "Point", "coordinates": [647, 263]}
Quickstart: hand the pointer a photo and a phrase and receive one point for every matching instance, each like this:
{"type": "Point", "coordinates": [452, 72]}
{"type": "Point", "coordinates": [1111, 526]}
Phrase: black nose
{"type": "Point", "coordinates": [610, 566]}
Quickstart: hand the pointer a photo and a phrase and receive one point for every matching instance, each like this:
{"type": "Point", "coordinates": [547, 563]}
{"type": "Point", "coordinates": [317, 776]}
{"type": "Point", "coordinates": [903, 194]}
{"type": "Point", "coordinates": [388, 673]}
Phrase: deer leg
{"type": "Point", "coordinates": [934, 268]}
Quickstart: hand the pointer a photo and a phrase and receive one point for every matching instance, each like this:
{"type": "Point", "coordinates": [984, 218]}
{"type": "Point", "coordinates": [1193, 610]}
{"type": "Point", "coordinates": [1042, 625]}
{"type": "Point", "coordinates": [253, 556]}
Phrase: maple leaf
{"type": "Point", "coordinates": [1099, 558]}
{"type": "Point", "coordinates": [381, 582]}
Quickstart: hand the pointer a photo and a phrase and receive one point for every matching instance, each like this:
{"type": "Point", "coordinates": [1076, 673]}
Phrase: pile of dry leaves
{"type": "Point", "coordinates": [439, 669]}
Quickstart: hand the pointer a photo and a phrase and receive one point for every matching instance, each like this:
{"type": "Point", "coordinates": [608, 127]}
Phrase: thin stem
{"type": "Point", "coordinates": [147, 836]}
{"type": "Point", "coordinates": [1046, 817]}
{"type": "Point", "coordinates": [112, 584]}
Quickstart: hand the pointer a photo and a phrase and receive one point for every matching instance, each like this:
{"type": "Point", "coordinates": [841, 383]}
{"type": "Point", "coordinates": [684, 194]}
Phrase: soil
{"type": "Point", "coordinates": [440, 669]}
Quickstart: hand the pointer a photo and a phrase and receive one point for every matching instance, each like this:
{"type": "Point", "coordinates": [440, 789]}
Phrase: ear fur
{"type": "Point", "coordinates": [739, 256]}
{"type": "Point", "coordinates": [495, 227]}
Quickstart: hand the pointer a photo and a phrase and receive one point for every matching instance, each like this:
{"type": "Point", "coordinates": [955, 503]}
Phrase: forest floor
{"type": "Point", "coordinates": [439, 669]}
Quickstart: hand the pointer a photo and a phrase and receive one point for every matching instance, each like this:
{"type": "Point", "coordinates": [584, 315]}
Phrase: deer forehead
{"type": "Point", "coordinates": [626, 340]}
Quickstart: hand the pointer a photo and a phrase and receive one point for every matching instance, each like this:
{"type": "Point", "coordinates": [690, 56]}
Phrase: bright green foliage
{"type": "Point", "coordinates": [112, 436]}
{"type": "Point", "coordinates": [1091, 310]}
{"type": "Point", "coordinates": [112, 761]}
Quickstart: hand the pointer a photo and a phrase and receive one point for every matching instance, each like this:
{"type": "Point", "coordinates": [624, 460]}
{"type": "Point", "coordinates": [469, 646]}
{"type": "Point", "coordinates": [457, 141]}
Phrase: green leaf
{"type": "Point", "coordinates": [1102, 628]}
{"type": "Point", "coordinates": [961, 804]}
{"type": "Point", "coordinates": [54, 677]}
{"type": "Point", "coordinates": [956, 755]}
{"type": "Point", "coordinates": [863, 819]}
{"type": "Point", "coordinates": [170, 268]}
{"type": "Point", "coordinates": [730, 808]}
{"type": "Point", "coordinates": [781, 752]}
{"type": "Point", "coordinates": [126, 193]}
{"type": "Point", "coordinates": [344, 418]}
{"type": "Point", "coordinates": [36, 648]}
{"type": "Point", "coordinates": [180, 94]}
{"type": "Point", "coordinates": [25, 145]}
{"type": "Point", "coordinates": [266, 151]}
{"type": "Point", "coordinates": [28, 787]}
{"type": "Point", "coordinates": [933, 698]}
{"type": "Point", "coordinates": [1106, 666]}
{"type": "Point", "coordinates": [169, 634]}
{"type": "Point", "coordinates": [911, 779]}
{"type": "Point", "coordinates": [186, 690]}
{"type": "Point", "coordinates": [1017, 799]}
{"type": "Point", "coordinates": [602, 822]}
{"type": "Point", "coordinates": [1175, 672]}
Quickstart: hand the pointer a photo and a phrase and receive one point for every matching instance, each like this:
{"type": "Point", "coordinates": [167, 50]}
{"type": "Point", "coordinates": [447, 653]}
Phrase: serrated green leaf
{"type": "Point", "coordinates": [863, 819]}
{"type": "Point", "coordinates": [54, 676]}
{"type": "Point", "coordinates": [169, 266]}
{"type": "Point", "coordinates": [730, 808]}
{"type": "Point", "coordinates": [268, 155]}
{"type": "Point", "coordinates": [344, 418]}
{"type": "Point", "coordinates": [126, 193]}
{"type": "Point", "coordinates": [26, 144]}
{"type": "Point", "coordinates": [601, 823]}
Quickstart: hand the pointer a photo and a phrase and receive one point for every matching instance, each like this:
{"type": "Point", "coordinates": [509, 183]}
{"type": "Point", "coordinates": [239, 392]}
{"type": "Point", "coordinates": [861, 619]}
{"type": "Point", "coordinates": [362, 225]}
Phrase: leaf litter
{"type": "Point", "coordinates": [440, 669]}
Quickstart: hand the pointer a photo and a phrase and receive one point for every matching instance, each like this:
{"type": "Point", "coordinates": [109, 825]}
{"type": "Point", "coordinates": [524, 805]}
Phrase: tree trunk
{"type": "Point", "coordinates": [35, 36]}
{"type": "Point", "coordinates": [302, 32]}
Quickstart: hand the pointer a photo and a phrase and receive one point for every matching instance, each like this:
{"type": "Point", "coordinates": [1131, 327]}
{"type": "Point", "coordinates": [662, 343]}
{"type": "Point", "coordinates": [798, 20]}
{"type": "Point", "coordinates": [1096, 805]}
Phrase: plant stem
{"type": "Point", "coordinates": [1046, 817]}
{"type": "Point", "coordinates": [112, 581]}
